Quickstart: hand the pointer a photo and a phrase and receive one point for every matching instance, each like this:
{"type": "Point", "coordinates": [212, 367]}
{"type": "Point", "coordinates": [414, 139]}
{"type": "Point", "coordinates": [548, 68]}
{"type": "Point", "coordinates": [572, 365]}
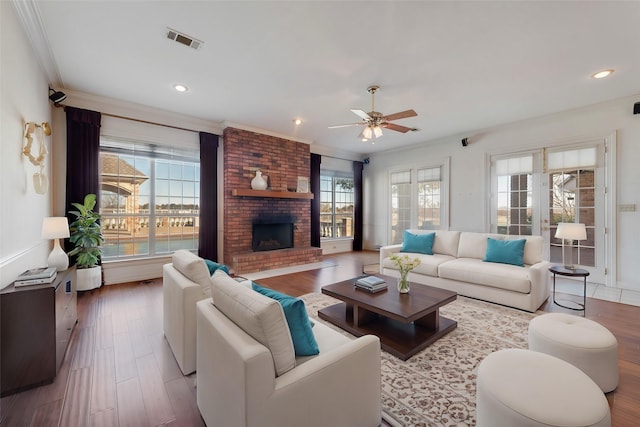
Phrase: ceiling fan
{"type": "Point", "coordinates": [374, 121]}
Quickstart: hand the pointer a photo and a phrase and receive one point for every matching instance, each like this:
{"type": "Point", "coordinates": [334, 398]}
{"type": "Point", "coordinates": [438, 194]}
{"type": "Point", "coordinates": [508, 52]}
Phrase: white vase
{"type": "Point", "coordinates": [259, 183]}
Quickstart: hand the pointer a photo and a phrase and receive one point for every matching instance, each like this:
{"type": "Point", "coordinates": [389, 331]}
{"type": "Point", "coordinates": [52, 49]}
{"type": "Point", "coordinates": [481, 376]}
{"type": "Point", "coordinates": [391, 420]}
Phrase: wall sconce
{"type": "Point", "coordinates": [56, 228]}
{"type": "Point", "coordinates": [40, 181]}
{"type": "Point", "coordinates": [570, 231]}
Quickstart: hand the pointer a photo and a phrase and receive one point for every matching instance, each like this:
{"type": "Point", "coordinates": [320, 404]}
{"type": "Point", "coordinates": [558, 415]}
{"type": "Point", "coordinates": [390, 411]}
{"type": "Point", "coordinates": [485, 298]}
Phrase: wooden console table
{"type": "Point", "coordinates": [36, 326]}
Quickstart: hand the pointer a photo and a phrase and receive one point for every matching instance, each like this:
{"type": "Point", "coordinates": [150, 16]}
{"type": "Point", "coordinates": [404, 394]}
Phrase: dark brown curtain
{"type": "Point", "coordinates": [208, 237]}
{"type": "Point", "coordinates": [357, 208]}
{"type": "Point", "coordinates": [314, 182]}
{"type": "Point", "coordinates": [83, 157]}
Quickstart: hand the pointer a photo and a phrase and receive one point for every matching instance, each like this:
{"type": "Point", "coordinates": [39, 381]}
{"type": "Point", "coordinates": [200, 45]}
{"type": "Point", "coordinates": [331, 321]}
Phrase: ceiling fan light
{"type": "Point", "coordinates": [367, 132]}
{"type": "Point", "coordinates": [377, 131]}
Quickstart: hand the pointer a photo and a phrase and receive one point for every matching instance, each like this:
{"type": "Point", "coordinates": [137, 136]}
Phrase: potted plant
{"type": "Point", "coordinates": [86, 234]}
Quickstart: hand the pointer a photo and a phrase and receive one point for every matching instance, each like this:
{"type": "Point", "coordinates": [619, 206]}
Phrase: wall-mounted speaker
{"type": "Point", "coordinates": [465, 142]}
{"type": "Point", "coordinates": [636, 108]}
{"type": "Point", "coordinates": [366, 161]}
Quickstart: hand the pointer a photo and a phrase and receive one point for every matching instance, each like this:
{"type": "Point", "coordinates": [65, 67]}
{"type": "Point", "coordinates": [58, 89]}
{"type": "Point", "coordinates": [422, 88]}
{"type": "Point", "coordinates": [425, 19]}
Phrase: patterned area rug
{"type": "Point", "coordinates": [437, 386]}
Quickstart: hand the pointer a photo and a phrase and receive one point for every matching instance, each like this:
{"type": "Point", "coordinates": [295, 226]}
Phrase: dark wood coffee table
{"type": "Point", "coordinates": [405, 323]}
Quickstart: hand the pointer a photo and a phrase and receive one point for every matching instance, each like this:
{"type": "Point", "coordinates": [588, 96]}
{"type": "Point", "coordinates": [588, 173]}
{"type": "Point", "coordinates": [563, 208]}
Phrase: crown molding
{"type": "Point", "coordinates": [29, 14]}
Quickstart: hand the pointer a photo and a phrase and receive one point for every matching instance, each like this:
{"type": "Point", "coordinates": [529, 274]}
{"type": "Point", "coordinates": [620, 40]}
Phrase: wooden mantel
{"type": "Point", "coordinates": [269, 193]}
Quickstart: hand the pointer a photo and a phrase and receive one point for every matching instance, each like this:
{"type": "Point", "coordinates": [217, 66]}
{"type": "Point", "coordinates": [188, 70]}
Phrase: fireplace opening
{"type": "Point", "coordinates": [272, 236]}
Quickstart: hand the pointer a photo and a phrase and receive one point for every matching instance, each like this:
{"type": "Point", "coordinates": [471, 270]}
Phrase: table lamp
{"type": "Point", "coordinates": [56, 228]}
{"type": "Point", "coordinates": [570, 231]}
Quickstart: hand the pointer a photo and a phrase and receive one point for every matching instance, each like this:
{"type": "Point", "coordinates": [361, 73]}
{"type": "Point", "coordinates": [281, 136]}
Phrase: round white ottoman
{"type": "Point", "coordinates": [582, 342]}
{"type": "Point", "coordinates": [527, 388]}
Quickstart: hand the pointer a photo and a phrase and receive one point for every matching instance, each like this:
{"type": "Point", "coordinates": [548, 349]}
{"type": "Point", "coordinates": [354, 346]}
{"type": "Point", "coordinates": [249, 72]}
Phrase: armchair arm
{"type": "Point", "coordinates": [346, 379]}
{"type": "Point", "coordinates": [179, 298]}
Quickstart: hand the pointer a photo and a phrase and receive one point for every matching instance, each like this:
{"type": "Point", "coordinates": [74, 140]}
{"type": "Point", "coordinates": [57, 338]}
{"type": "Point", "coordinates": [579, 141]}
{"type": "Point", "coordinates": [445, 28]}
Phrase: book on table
{"type": "Point", "coordinates": [37, 273]}
{"type": "Point", "coordinates": [38, 281]}
{"type": "Point", "coordinates": [370, 284]}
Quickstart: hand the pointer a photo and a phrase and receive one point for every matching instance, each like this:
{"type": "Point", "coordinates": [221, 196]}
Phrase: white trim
{"type": "Point", "coordinates": [29, 14]}
{"type": "Point", "coordinates": [611, 203]}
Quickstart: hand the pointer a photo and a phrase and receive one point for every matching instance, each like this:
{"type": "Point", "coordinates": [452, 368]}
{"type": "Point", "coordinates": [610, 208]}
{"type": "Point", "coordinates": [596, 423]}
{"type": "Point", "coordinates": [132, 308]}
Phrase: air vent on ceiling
{"type": "Point", "coordinates": [183, 39]}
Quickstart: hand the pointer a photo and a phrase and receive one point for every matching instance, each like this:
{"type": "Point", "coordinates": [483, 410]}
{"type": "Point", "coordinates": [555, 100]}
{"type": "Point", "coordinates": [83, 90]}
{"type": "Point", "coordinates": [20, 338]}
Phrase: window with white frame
{"type": "Point", "coordinates": [429, 198]}
{"type": "Point", "coordinates": [400, 204]}
{"type": "Point", "coordinates": [149, 199]}
{"type": "Point", "coordinates": [514, 191]}
{"type": "Point", "coordinates": [418, 200]}
{"type": "Point", "coordinates": [336, 205]}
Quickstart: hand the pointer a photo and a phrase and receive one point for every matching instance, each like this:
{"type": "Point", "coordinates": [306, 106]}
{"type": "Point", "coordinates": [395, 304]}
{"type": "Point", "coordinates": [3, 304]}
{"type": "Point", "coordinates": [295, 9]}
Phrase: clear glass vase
{"type": "Point", "coordinates": [403, 283]}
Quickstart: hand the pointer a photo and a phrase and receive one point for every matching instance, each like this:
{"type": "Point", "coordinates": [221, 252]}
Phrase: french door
{"type": "Point", "coordinates": [534, 191]}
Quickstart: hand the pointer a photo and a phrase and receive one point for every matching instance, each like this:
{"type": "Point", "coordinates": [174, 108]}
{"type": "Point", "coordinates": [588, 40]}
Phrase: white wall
{"type": "Point", "coordinates": [468, 172]}
{"type": "Point", "coordinates": [23, 98]}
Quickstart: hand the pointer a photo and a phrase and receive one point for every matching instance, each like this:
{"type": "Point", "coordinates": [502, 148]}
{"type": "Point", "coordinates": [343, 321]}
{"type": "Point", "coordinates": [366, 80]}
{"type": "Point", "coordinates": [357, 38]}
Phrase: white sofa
{"type": "Point", "coordinates": [457, 264]}
{"type": "Point", "coordinates": [248, 374]}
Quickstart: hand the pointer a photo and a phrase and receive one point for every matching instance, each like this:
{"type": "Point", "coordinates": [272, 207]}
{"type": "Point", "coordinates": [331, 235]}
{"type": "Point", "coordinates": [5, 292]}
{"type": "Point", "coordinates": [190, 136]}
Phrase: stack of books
{"type": "Point", "coordinates": [371, 284]}
{"type": "Point", "coordinates": [36, 276]}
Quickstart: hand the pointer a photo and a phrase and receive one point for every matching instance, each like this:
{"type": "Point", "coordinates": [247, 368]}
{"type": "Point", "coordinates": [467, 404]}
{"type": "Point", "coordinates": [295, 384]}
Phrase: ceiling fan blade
{"type": "Point", "coordinates": [395, 127]}
{"type": "Point", "coordinates": [346, 125]}
{"type": "Point", "coordinates": [361, 114]}
{"type": "Point", "coordinates": [400, 115]}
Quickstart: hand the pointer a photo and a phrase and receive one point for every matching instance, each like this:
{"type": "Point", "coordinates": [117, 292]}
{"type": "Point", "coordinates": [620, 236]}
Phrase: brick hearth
{"type": "Point", "coordinates": [282, 161]}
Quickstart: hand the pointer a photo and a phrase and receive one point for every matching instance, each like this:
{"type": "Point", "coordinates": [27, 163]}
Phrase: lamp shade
{"type": "Point", "coordinates": [571, 231]}
{"type": "Point", "coordinates": [55, 227]}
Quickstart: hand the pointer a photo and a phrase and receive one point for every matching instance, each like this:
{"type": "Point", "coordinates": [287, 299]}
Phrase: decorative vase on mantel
{"type": "Point", "coordinates": [258, 182]}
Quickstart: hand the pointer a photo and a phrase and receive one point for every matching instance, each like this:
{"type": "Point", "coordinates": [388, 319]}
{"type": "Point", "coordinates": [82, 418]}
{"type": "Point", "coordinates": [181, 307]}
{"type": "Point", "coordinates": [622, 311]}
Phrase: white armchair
{"type": "Point", "coordinates": [184, 282]}
{"type": "Point", "coordinates": [249, 376]}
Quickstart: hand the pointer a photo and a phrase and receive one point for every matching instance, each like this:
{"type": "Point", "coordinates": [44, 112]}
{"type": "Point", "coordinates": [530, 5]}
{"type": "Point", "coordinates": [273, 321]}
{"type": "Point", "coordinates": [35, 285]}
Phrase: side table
{"type": "Point", "coordinates": [570, 272]}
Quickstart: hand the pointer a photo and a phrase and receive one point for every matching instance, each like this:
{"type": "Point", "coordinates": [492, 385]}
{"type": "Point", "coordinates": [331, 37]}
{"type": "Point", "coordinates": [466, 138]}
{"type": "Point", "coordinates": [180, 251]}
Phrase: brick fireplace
{"type": "Point", "coordinates": [282, 161]}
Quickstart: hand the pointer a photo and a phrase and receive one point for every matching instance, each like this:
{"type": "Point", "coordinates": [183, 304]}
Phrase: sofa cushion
{"type": "Point", "coordinates": [304, 343]}
{"type": "Point", "coordinates": [418, 243]}
{"type": "Point", "coordinates": [505, 251]}
{"type": "Point", "coordinates": [192, 267]}
{"type": "Point", "coordinates": [428, 263]}
{"type": "Point", "coordinates": [474, 245]}
{"type": "Point", "coordinates": [502, 276]}
{"type": "Point", "coordinates": [259, 316]}
{"type": "Point", "coordinates": [532, 249]}
{"type": "Point", "coordinates": [213, 266]}
{"type": "Point", "coordinates": [446, 242]}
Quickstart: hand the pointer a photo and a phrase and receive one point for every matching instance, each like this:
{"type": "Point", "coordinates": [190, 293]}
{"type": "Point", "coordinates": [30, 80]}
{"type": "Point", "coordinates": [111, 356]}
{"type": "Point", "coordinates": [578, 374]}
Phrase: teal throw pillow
{"type": "Point", "coordinates": [505, 251]}
{"type": "Point", "coordinates": [418, 243]}
{"type": "Point", "coordinates": [213, 266]}
{"type": "Point", "coordinates": [304, 342]}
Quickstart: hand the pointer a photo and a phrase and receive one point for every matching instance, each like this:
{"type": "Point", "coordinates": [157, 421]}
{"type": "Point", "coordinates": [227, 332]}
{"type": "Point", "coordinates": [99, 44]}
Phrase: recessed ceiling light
{"type": "Point", "coordinates": [297, 121]}
{"type": "Point", "coordinates": [602, 74]}
{"type": "Point", "coordinates": [180, 88]}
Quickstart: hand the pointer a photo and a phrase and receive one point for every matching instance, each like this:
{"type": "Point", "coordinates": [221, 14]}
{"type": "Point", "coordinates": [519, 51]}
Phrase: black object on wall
{"type": "Point", "coordinates": [314, 183]}
{"type": "Point", "coordinates": [465, 142]}
{"type": "Point", "coordinates": [208, 237]}
{"type": "Point", "coordinates": [358, 205]}
{"type": "Point", "coordinates": [636, 108]}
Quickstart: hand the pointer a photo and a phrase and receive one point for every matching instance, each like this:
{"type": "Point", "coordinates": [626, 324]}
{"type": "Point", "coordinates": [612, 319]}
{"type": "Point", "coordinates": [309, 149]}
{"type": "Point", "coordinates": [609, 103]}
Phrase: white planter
{"type": "Point", "coordinates": [88, 278]}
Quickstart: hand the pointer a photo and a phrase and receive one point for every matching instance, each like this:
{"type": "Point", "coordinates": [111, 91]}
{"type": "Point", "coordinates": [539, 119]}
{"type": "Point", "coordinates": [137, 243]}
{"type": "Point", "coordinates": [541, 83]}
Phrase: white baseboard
{"type": "Point", "coordinates": [133, 270]}
{"type": "Point", "coordinates": [336, 246]}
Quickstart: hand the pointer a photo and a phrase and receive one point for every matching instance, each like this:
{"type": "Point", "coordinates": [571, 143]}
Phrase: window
{"type": "Point", "coordinates": [514, 194]}
{"type": "Point", "coordinates": [418, 200]}
{"type": "Point", "coordinates": [400, 204]}
{"type": "Point", "coordinates": [572, 195]}
{"type": "Point", "coordinates": [149, 199]}
{"type": "Point", "coordinates": [429, 198]}
{"type": "Point", "coordinates": [336, 205]}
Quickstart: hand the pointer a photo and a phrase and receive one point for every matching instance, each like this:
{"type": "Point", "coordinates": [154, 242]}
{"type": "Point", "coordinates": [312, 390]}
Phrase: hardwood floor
{"type": "Point", "coordinates": [120, 371]}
